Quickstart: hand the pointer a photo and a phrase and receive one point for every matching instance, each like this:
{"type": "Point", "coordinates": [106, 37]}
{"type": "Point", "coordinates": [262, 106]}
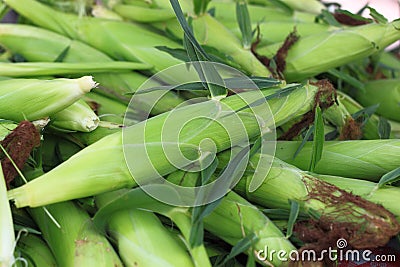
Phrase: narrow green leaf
{"type": "Point", "coordinates": [304, 141]}
{"type": "Point", "coordinates": [207, 173]}
{"type": "Point", "coordinates": [281, 214]}
{"type": "Point", "coordinates": [318, 142]}
{"type": "Point", "coordinates": [281, 93]}
{"type": "Point", "coordinates": [282, 5]}
{"type": "Point", "coordinates": [175, 52]}
{"type": "Point", "coordinates": [207, 72]}
{"type": "Point", "coordinates": [377, 16]}
{"type": "Point", "coordinates": [62, 55]}
{"type": "Point", "coordinates": [384, 128]}
{"type": "Point", "coordinates": [241, 246]}
{"type": "Point", "coordinates": [294, 213]}
{"type": "Point", "coordinates": [328, 18]}
{"type": "Point", "coordinates": [251, 260]}
{"type": "Point", "coordinates": [196, 232]}
{"type": "Point", "coordinates": [197, 229]}
{"type": "Point", "coordinates": [251, 82]}
{"type": "Point", "coordinates": [390, 177]}
{"type": "Point", "coordinates": [186, 28]}
{"type": "Point", "coordinates": [200, 6]}
{"type": "Point", "coordinates": [243, 19]}
{"type": "Point", "coordinates": [347, 78]}
{"type": "Point", "coordinates": [365, 113]}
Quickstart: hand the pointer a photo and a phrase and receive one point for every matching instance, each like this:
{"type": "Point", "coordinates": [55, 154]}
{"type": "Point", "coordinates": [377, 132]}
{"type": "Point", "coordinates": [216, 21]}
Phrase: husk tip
{"type": "Point", "coordinates": [86, 83]}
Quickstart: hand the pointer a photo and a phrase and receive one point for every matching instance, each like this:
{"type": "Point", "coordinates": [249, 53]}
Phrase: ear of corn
{"type": "Point", "coordinates": [366, 159]}
{"type": "Point", "coordinates": [7, 238]}
{"type": "Point", "coordinates": [321, 199]}
{"type": "Point", "coordinates": [33, 249]}
{"type": "Point", "coordinates": [113, 202]}
{"type": "Point", "coordinates": [388, 196]}
{"type": "Point", "coordinates": [35, 99]}
{"type": "Point", "coordinates": [77, 117]}
{"type": "Point", "coordinates": [234, 218]}
{"type": "Point", "coordinates": [75, 241]}
{"type": "Point", "coordinates": [386, 93]}
{"type": "Point", "coordinates": [116, 38]}
{"type": "Point", "coordinates": [49, 46]}
{"type": "Point", "coordinates": [107, 172]}
{"type": "Point", "coordinates": [336, 47]}
{"type": "Point", "coordinates": [225, 11]}
{"type": "Point", "coordinates": [29, 69]}
{"type": "Point", "coordinates": [142, 240]}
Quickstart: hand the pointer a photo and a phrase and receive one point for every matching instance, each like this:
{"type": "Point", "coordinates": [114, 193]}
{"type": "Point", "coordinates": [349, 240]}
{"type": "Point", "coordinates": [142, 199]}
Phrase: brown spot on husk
{"type": "Point", "coordinates": [94, 106]}
{"type": "Point", "coordinates": [351, 130]}
{"type": "Point", "coordinates": [324, 98]}
{"type": "Point", "coordinates": [348, 20]}
{"type": "Point", "coordinates": [361, 223]}
{"type": "Point", "coordinates": [18, 144]}
{"type": "Point", "coordinates": [280, 57]}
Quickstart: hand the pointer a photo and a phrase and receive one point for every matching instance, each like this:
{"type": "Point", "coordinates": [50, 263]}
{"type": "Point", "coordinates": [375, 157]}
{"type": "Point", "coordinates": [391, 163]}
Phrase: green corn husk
{"type": "Point", "coordinates": [34, 69]}
{"type": "Point", "coordinates": [120, 40]}
{"type": "Point", "coordinates": [106, 108]}
{"type": "Point", "coordinates": [388, 196]}
{"type": "Point", "coordinates": [77, 117]}
{"type": "Point", "coordinates": [100, 11]}
{"type": "Point", "coordinates": [272, 32]}
{"type": "Point", "coordinates": [271, 194]}
{"type": "Point", "coordinates": [395, 129]}
{"type": "Point", "coordinates": [7, 238]}
{"type": "Point", "coordinates": [337, 115]}
{"type": "Point", "coordinates": [100, 167]}
{"type": "Point", "coordinates": [142, 240]}
{"type": "Point", "coordinates": [322, 200]}
{"type": "Point", "coordinates": [136, 198]}
{"type": "Point", "coordinates": [389, 64]}
{"type": "Point", "coordinates": [336, 47]}
{"type": "Point", "coordinates": [74, 241]}
{"type": "Point", "coordinates": [105, 128]}
{"type": "Point", "coordinates": [35, 251]}
{"type": "Point", "coordinates": [370, 128]}
{"type": "Point", "coordinates": [49, 46]}
{"type": "Point", "coordinates": [34, 99]}
{"type": "Point", "coordinates": [143, 14]}
{"type": "Point", "coordinates": [6, 128]}
{"type": "Point", "coordinates": [310, 6]}
{"type": "Point", "coordinates": [210, 32]}
{"type": "Point", "coordinates": [225, 11]}
{"type": "Point", "coordinates": [234, 218]}
{"type": "Point", "coordinates": [385, 92]}
{"type": "Point", "coordinates": [362, 159]}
